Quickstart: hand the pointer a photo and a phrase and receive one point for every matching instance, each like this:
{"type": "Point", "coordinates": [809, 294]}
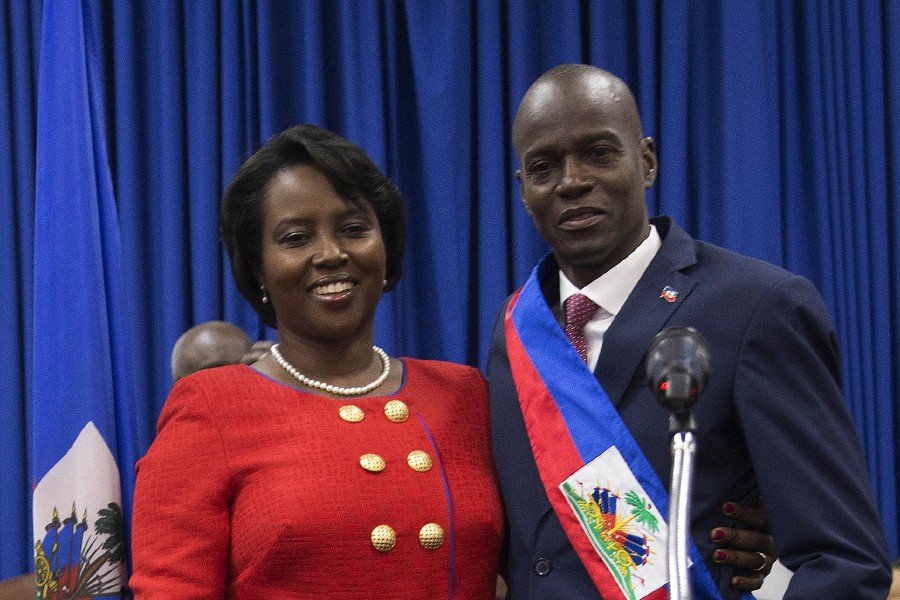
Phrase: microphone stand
{"type": "Point", "coordinates": [682, 427]}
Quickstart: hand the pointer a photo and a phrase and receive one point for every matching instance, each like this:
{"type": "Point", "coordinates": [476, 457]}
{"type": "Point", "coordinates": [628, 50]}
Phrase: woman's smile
{"type": "Point", "coordinates": [333, 290]}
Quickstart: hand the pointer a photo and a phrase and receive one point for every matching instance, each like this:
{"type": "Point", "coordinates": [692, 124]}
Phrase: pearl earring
{"type": "Point", "coordinates": [265, 296]}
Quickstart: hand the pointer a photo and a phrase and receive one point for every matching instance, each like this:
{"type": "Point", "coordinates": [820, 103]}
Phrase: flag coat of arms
{"type": "Point", "coordinates": [83, 446]}
{"type": "Point", "coordinates": [622, 524]}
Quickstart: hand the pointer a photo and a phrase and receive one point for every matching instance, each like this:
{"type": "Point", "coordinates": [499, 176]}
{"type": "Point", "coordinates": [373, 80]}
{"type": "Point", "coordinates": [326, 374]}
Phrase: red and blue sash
{"type": "Point", "coordinates": [608, 498]}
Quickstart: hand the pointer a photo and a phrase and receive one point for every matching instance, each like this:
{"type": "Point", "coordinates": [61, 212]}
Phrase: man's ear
{"type": "Point", "coordinates": [649, 162]}
{"type": "Point", "coordinates": [521, 192]}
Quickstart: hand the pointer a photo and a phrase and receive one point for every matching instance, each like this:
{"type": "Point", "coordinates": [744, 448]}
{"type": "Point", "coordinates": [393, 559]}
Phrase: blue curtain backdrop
{"type": "Point", "coordinates": [777, 125]}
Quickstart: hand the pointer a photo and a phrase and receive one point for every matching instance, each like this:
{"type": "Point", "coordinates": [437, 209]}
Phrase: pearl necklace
{"type": "Point", "coordinates": [335, 389]}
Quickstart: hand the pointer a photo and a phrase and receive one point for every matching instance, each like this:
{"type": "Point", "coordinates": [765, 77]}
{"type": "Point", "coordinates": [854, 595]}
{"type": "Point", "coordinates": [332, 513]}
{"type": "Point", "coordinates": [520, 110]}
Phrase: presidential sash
{"type": "Point", "coordinates": [608, 499]}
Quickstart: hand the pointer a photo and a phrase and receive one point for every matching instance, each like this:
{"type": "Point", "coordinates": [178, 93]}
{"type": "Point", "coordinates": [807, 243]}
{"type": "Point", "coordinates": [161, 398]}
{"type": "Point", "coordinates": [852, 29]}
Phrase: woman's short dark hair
{"type": "Point", "coordinates": [352, 174]}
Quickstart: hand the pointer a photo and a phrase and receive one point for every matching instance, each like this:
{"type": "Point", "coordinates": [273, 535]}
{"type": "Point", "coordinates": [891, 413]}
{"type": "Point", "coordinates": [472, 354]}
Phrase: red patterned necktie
{"type": "Point", "coordinates": [579, 310]}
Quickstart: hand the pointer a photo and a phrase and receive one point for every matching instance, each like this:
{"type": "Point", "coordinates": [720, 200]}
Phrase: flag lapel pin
{"type": "Point", "coordinates": [668, 294]}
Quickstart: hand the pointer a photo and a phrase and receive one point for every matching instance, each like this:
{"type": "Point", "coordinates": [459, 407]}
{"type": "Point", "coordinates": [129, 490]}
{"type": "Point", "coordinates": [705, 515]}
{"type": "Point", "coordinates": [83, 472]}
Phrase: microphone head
{"type": "Point", "coordinates": [678, 367]}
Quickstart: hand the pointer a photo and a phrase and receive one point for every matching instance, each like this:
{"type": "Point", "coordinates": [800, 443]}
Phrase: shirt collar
{"type": "Point", "coordinates": [611, 289]}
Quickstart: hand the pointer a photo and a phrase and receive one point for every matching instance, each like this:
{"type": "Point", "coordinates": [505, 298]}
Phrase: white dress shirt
{"type": "Point", "coordinates": [609, 292]}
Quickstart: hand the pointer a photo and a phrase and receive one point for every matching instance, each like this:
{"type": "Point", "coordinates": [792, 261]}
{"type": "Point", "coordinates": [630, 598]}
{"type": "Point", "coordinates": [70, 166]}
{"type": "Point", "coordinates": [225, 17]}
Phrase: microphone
{"type": "Point", "coordinates": [678, 367]}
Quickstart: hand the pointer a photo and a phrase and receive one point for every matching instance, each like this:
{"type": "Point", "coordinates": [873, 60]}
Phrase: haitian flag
{"type": "Point", "coordinates": [83, 449]}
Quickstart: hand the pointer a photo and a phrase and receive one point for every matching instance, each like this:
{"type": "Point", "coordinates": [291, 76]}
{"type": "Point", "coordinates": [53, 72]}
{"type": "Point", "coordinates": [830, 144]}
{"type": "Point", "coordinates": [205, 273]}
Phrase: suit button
{"type": "Point", "coordinates": [383, 538]}
{"type": "Point", "coordinates": [542, 566]}
{"type": "Point", "coordinates": [396, 411]}
{"type": "Point", "coordinates": [419, 461]}
{"type": "Point", "coordinates": [372, 463]}
{"type": "Point", "coordinates": [431, 536]}
{"type": "Point", "coordinates": [351, 413]}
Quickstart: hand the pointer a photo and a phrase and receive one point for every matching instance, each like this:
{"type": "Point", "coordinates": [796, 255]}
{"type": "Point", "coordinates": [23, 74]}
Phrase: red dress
{"type": "Point", "coordinates": [253, 489]}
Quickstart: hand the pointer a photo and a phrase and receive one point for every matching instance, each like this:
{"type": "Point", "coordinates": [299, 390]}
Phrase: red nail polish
{"type": "Point", "coordinates": [718, 534]}
{"type": "Point", "coordinates": [729, 508]}
{"type": "Point", "coordinates": [719, 555]}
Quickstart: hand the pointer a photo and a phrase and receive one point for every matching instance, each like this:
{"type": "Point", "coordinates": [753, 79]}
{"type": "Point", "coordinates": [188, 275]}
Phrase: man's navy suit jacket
{"type": "Point", "coordinates": [772, 424]}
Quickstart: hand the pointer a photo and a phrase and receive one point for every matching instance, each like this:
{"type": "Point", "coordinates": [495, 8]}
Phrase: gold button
{"type": "Point", "coordinates": [384, 537]}
{"type": "Point", "coordinates": [431, 536]}
{"type": "Point", "coordinates": [351, 413]}
{"type": "Point", "coordinates": [419, 461]}
{"type": "Point", "coordinates": [396, 411]}
{"type": "Point", "coordinates": [372, 463]}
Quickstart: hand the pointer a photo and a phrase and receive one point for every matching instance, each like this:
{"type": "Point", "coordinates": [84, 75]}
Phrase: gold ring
{"type": "Point", "coordinates": [765, 561]}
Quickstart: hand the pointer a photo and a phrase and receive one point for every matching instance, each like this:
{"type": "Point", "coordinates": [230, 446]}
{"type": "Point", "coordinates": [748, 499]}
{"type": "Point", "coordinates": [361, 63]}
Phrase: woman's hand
{"type": "Point", "coordinates": [751, 551]}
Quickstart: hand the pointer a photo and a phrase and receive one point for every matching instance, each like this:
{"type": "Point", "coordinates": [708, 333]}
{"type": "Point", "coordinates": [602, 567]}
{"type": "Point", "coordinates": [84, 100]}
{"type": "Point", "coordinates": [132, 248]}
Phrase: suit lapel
{"type": "Point", "coordinates": [647, 309]}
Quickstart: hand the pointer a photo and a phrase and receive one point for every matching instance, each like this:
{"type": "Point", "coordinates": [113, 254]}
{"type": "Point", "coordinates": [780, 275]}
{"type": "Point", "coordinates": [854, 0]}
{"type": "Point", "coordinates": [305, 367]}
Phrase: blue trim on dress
{"type": "Point", "coordinates": [440, 462]}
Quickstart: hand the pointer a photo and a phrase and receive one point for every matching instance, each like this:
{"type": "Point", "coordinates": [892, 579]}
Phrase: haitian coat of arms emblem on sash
{"type": "Point", "coordinates": [623, 526]}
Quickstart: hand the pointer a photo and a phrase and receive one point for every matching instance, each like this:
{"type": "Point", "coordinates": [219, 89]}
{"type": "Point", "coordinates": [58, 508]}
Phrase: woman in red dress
{"type": "Point", "coordinates": [326, 469]}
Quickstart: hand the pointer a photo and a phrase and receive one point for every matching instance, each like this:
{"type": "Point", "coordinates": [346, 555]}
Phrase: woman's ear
{"type": "Point", "coordinates": [261, 285]}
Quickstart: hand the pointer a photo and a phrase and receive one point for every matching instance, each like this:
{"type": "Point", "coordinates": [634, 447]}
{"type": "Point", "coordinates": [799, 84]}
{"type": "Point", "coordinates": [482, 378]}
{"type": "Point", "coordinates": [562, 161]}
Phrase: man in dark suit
{"type": "Point", "coordinates": [772, 422]}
